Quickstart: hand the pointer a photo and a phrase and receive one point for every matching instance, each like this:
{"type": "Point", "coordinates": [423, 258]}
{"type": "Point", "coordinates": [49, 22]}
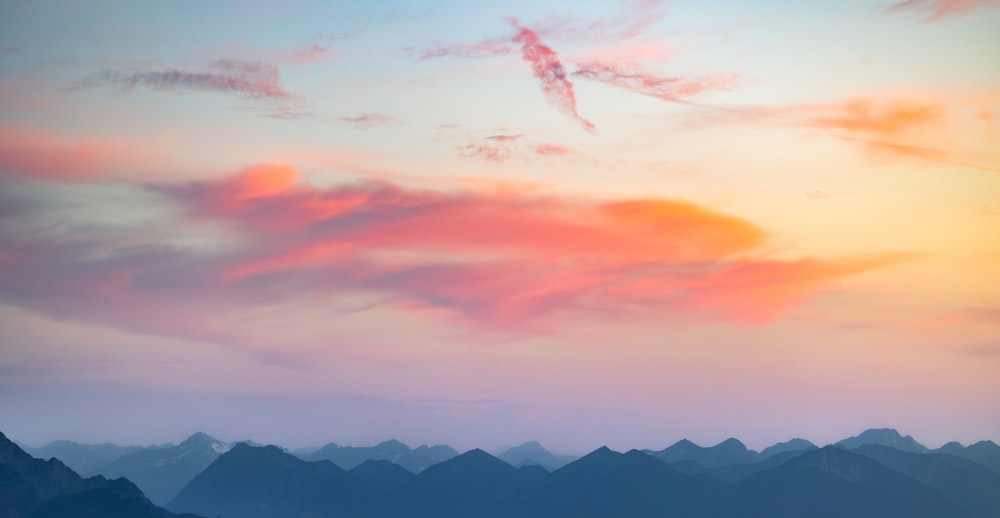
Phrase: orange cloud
{"type": "Point", "coordinates": [881, 119]}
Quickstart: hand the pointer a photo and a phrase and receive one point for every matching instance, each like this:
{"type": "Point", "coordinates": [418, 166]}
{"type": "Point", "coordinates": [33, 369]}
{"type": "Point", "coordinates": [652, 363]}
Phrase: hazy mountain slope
{"type": "Point", "coordinates": [728, 452]}
{"type": "Point", "coordinates": [832, 483]}
{"type": "Point", "coordinates": [532, 452]}
{"type": "Point", "coordinates": [414, 460]}
{"type": "Point", "coordinates": [85, 459]}
{"type": "Point", "coordinates": [986, 453]}
{"type": "Point", "coordinates": [884, 437]}
{"type": "Point", "coordinates": [972, 486]}
{"type": "Point", "coordinates": [161, 472]}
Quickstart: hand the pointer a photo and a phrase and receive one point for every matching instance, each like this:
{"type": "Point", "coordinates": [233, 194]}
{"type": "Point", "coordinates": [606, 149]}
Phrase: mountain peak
{"type": "Point", "coordinates": [884, 437]}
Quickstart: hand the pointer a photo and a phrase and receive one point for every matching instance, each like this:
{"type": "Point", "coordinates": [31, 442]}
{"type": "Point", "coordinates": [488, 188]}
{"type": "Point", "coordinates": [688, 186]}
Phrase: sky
{"type": "Point", "coordinates": [616, 223]}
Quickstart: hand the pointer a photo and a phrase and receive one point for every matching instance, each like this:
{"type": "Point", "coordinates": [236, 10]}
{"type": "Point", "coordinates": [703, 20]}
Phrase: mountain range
{"type": "Point", "coordinates": [877, 473]}
{"type": "Point", "coordinates": [415, 460]}
{"type": "Point", "coordinates": [34, 488]}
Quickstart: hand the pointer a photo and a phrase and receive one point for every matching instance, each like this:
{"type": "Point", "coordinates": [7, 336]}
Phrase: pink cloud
{"type": "Point", "coordinates": [549, 70]}
{"type": "Point", "coordinates": [936, 10]}
{"type": "Point", "coordinates": [499, 260]}
{"type": "Point", "coordinates": [505, 138]}
{"type": "Point", "coordinates": [40, 155]}
{"type": "Point", "coordinates": [666, 88]}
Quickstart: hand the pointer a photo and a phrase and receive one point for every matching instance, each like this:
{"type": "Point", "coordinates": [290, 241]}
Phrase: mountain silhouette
{"type": "Point", "coordinates": [34, 488]}
{"type": "Point", "coordinates": [794, 479]}
{"type": "Point", "coordinates": [392, 450]}
{"type": "Point", "coordinates": [787, 446]}
{"type": "Point", "coordinates": [972, 486]}
{"type": "Point", "coordinates": [266, 482]}
{"type": "Point", "coordinates": [831, 483]}
{"type": "Point", "coordinates": [532, 452]}
{"type": "Point", "coordinates": [85, 459]}
{"type": "Point", "coordinates": [986, 453]}
{"type": "Point", "coordinates": [884, 437]}
{"type": "Point", "coordinates": [162, 471]}
{"type": "Point", "coordinates": [728, 452]}
{"type": "Point", "coordinates": [474, 483]}
{"type": "Point", "coordinates": [609, 483]}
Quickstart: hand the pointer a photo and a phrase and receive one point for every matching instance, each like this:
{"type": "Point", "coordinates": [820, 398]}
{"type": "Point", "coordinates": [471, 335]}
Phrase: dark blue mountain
{"type": "Point", "coordinates": [608, 483]}
{"type": "Point", "coordinates": [266, 482]}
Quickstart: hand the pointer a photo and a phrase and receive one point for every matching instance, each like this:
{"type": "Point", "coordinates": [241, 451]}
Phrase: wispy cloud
{"type": "Point", "coordinates": [488, 48]}
{"type": "Point", "coordinates": [550, 72]}
{"type": "Point", "coordinates": [505, 138]}
{"type": "Point", "coordinates": [547, 149]}
{"type": "Point", "coordinates": [936, 10]}
{"type": "Point", "coordinates": [368, 120]}
{"type": "Point", "coordinates": [661, 87]}
{"type": "Point", "coordinates": [251, 79]}
{"type": "Point", "coordinates": [493, 152]}
{"type": "Point", "coordinates": [885, 128]}
{"type": "Point", "coordinates": [633, 19]}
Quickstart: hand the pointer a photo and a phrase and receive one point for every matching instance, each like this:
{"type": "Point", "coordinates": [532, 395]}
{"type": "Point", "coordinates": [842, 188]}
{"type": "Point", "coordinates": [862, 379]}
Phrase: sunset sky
{"type": "Point", "coordinates": [586, 223]}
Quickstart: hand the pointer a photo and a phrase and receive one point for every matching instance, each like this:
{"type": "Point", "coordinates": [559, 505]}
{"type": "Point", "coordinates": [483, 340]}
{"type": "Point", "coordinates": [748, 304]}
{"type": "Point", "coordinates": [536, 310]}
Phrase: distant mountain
{"type": "Point", "coordinates": [531, 453]}
{"type": "Point", "coordinates": [972, 486]}
{"type": "Point", "coordinates": [608, 483]}
{"type": "Point", "coordinates": [34, 488]}
{"type": "Point", "coordinates": [737, 472]}
{"type": "Point", "coordinates": [161, 472]}
{"type": "Point", "coordinates": [85, 459]}
{"type": "Point", "coordinates": [378, 478]}
{"type": "Point", "coordinates": [267, 482]}
{"type": "Point", "coordinates": [799, 445]}
{"type": "Point", "coordinates": [986, 453]}
{"type": "Point", "coordinates": [884, 437]}
{"type": "Point", "coordinates": [474, 483]}
{"type": "Point", "coordinates": [831, 483]}
{"type": "Point", "coordinates": [393, 451]}
{"type": "Point", "coordinates": [728, 452]}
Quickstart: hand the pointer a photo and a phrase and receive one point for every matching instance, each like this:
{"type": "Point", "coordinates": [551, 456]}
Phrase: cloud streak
{"type": "Point", "coordinates": [660, 87]}
{"type": "Point", "coordinates": [550, 72]}
{"type": "Point", "coordinates": [250, 79]}
{"type": "Point", "coordinates": [937, 10]}
{"type": "Point", "coordinates": [368, 120]}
